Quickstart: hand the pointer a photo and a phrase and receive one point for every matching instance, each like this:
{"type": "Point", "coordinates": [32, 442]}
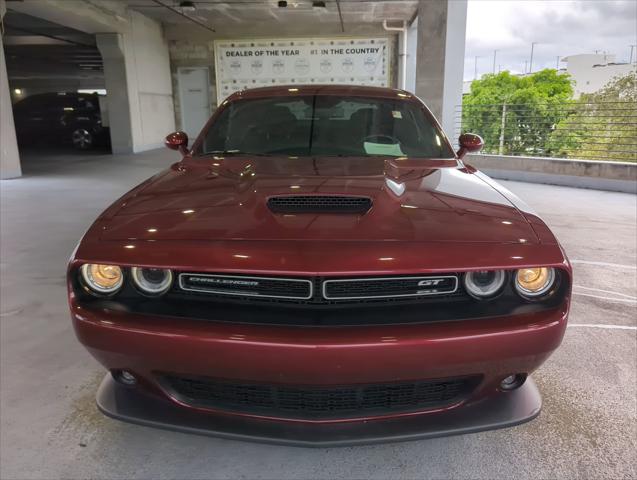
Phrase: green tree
{"type": "Point", "coordinates": [602, 125]}
{"type": "Point", "coordinates": [516, 115]}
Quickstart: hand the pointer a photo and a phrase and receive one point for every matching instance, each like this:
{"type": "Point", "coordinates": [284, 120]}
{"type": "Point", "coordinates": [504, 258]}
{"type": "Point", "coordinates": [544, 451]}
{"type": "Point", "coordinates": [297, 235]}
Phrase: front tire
{"type": "Point", "coordinates": [82, 139]}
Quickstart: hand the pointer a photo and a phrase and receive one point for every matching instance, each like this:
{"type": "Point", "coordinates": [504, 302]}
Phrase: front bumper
{"type": "Point", "coordinates": [135, 406]}
{"type": "Point", "coordinates": [490, 348]}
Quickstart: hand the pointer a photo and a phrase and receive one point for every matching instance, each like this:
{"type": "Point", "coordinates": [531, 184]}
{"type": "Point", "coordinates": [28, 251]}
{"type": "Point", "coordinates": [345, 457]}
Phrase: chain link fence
{"type": "Point", "coordinates": [588, 131]}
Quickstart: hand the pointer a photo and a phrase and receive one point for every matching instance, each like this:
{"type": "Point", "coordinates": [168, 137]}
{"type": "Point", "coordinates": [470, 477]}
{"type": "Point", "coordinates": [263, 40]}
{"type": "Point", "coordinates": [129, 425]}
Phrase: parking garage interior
{"type": "Point", "coordinates": [154, 67]}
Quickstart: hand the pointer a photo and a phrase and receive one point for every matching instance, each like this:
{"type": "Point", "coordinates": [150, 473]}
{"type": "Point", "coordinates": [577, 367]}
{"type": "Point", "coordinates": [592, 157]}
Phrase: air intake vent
{"type": "Point", "coordinates": [301, 401]}
{"type": "Point", "coordinates": [319, 204]}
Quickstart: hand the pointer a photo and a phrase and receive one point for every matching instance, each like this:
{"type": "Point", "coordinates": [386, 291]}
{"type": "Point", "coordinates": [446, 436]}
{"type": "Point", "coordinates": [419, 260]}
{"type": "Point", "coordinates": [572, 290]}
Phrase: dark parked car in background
{"type": "Point", "coordinates": [67, 117]}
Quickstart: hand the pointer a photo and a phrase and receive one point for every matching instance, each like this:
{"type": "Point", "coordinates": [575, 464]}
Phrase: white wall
{"type": "Point", "coordinates": [149, 83]}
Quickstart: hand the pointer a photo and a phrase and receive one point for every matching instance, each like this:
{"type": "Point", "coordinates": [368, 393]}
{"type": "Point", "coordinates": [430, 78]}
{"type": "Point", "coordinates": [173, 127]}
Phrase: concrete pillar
{"type": "Point", "coordinates": [412, 47]}
{"type": "Point", "coordinates": [111, 47]}
{"type": "Point", "coordinates": [138, 85]}
{"type": "Point", "coordinates": [440, 58]}
{"type": "Point", "coordinates": [9, 156]}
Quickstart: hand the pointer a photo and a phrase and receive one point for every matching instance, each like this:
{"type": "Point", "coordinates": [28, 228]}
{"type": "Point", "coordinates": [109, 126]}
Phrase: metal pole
{"type": "Point", "coordinates": [502, 124]}
{"type": "Point", "coordinates": [533, 44]}
{"type": "Point", "coordinates": [475, 68]}
{"type": "Point", "coordinates": [631, 54]}
{"type": "Point", "coordinates": [557, 62]}
{"type": "Point", "coordinates": [494, 53]}
{"type": "Point", "coordinates": [340, 16]}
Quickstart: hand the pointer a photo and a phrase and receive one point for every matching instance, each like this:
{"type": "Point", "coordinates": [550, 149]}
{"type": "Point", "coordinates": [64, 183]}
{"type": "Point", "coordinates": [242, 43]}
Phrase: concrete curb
{"type": "Point", "coordinates": [612, 176]}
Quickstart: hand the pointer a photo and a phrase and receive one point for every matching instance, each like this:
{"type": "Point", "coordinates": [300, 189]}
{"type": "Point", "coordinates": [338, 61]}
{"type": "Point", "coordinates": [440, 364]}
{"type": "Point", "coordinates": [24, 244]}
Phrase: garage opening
{"type": "Point", "coordinates": [58, 94]}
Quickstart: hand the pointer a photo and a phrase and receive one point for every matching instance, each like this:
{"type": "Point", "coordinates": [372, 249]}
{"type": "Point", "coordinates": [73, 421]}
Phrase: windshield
{"type": "Point", "coordinates": [326, 125]}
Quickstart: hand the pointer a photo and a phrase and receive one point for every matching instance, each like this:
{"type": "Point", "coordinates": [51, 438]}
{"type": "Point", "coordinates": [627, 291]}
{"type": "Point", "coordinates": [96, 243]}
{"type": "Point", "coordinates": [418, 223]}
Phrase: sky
{"type": "Point", "coordinates": [560, 28]}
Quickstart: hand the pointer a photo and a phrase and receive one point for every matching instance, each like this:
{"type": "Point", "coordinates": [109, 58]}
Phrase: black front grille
{"type": "Point", "coordinates": [319, 204]}
{"type": "Point", "coordinates": [246, 286]}
{"type": "Point", "coordinates": [363, 288]}
{"type": "Point", "coordinates": [320, 291]}
{"type": "Point", "coordinates": [287, 401]}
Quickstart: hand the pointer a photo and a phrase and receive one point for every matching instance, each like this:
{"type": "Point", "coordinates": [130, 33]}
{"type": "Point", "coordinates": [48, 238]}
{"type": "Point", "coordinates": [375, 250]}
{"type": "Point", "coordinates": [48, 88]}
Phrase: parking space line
{"type": "Point", "coordinates": [632, 297]}
{"type": "Point", "coordinates": [609, 327]}
{"type": "Point", "coordinates": [605, 264]}
{"type": "Point", "coordinates": [611, 299]}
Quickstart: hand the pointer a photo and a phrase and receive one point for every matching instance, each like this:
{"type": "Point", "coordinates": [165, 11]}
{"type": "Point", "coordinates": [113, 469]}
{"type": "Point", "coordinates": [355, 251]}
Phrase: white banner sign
{"type": "Point", "coordinates": [245, 64]}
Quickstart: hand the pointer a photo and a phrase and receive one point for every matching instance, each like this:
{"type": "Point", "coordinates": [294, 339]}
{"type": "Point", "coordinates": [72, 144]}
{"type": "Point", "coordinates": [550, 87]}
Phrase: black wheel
{"type": "Point", "coordinates": [82, 139]}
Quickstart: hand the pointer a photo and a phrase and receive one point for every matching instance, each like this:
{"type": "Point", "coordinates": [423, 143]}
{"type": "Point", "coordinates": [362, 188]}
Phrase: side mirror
{"type": "Point", "coordinates": [177, 141]}
{"type": "Point", "coordinates": [469, 143]}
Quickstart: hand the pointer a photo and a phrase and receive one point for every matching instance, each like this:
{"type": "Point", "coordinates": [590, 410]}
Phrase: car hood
{"type": "Point", "coordinates": [226, 199]}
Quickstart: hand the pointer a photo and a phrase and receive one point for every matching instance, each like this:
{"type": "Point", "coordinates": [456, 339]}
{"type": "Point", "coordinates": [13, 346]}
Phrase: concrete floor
{"type": "Point", "coordinates": [50, 427]}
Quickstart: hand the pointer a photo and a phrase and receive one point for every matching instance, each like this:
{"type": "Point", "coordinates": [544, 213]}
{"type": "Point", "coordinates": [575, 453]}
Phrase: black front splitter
{"type": "Point", "coordinates": [504, 410]}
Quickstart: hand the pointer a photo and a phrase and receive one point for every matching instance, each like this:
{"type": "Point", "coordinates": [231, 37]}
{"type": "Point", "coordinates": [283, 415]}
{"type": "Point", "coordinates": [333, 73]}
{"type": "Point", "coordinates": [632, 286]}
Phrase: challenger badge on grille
{"type": "Point", "coordinates": [291, 288]}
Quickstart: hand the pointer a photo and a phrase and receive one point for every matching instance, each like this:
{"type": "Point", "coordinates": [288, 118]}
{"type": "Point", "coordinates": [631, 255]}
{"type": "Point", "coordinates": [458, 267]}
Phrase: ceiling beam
{"type": "Point", "coordinates": [174, 10]}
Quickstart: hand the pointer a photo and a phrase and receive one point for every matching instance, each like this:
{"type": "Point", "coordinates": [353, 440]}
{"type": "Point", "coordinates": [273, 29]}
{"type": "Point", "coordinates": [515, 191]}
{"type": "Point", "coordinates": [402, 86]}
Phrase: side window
{"type": "Point", "coordinates": [55, 105]}
{"type": "Point", "coordinates": [85, 103]}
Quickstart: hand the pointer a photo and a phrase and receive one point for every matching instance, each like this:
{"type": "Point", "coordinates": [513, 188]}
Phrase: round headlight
{"type": "Point", "coordinates": [102, 279]}
{"type": "Point", "coordinates": [534, 282]}
{"type": "Point", "coordinates": [152, 281]}
{"type": "Point", "coordinates": [484, 283]}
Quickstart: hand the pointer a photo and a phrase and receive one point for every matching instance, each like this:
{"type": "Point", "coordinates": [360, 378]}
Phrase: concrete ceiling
{"type": "Point", "coordinates": [38, 48]}
{"type": "Point", "coordinates": [256, 18]}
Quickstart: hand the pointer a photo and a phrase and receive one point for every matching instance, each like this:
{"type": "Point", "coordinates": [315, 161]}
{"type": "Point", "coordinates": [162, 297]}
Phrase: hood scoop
{"type": "Point", "coordinates": [319, 204]}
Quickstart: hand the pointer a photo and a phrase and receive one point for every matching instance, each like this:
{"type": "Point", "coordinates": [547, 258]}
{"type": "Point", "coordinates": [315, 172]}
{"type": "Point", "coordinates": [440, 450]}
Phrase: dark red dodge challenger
{"type": "Point", "coordinates": [320, 268]}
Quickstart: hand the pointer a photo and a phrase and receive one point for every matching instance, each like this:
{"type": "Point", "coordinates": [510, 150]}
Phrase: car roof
{"type": "Point", "coordinates": [345, 90]}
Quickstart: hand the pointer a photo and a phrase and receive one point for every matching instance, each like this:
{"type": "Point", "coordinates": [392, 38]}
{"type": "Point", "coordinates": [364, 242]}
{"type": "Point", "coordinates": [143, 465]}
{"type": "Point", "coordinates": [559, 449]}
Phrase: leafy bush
{"type": "Point", "coordinates": [530, 106]}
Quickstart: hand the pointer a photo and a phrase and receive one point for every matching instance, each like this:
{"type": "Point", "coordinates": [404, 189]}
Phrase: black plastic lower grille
{"type": "Point", "coordinates": [288, 401]}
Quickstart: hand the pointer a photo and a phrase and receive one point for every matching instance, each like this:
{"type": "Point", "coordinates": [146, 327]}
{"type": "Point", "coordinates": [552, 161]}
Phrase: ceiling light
{"type": "Point", "coordinates": [188, 6]}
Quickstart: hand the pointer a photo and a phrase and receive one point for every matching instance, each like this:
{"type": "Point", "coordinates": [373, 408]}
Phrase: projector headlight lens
{"type": "Point", "coordinates": [534, 282]}
{"type": "Point", "coordinates": [152, 281]}
{"type": "Point", "coordinates": [102, 279]}
{"type": "Point", "coordinates": [484, 283]}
